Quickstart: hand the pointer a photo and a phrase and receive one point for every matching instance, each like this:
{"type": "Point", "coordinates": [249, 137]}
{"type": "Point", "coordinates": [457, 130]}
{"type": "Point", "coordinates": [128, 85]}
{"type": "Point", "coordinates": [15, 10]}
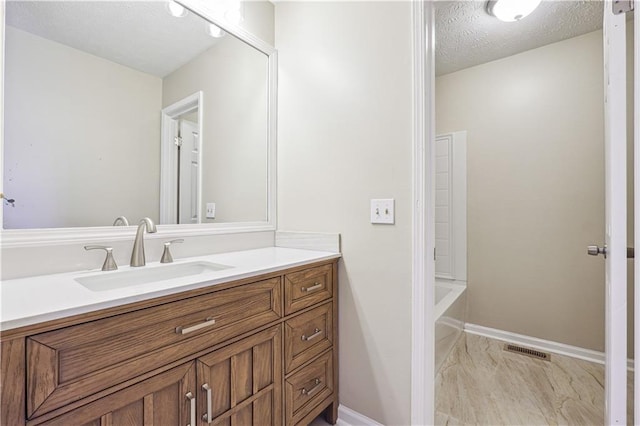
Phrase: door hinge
{"type": "Point", "coordinates": [434, 253]}
{"type": "Point", "coordinates": [178, 141]}
{"type": "Point", "coordinates": [622, 6]}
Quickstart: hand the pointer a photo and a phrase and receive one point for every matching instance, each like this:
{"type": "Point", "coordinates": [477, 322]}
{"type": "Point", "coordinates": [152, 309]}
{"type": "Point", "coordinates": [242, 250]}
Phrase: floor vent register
{"type": "Point", "coordinates": [527, 352]}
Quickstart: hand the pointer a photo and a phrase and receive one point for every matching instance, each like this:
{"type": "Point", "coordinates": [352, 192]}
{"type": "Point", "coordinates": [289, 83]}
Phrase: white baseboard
{"type": "Point", "coordinates": [349, 417]}
{"type": "Point", "coordinates": [541, 344]}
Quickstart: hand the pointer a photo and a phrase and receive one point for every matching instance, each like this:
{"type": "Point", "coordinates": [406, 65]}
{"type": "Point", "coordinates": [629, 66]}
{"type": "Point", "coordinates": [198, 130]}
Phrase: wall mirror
{"type": "Point", "coordinates": [135, 109]}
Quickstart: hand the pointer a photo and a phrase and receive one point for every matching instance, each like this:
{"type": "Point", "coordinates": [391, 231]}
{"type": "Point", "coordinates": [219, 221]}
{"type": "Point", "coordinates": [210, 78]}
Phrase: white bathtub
{"type": "Point", "coordinates": [450, 316]}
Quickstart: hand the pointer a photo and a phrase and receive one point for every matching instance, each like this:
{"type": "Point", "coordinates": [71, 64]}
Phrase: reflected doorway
{"type": "Point", "coordinates": [180, 173]}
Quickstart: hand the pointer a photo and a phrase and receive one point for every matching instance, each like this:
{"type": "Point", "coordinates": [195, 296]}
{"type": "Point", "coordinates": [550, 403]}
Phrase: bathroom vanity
{"type": "Point", "coordinates": [255, 344]}
{"type": "Point", "coordinates": [237, 338]}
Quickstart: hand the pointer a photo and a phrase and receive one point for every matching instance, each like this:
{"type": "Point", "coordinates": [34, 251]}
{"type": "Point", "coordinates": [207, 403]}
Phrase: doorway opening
{"type": "Point", "coordinates": [536, 197]}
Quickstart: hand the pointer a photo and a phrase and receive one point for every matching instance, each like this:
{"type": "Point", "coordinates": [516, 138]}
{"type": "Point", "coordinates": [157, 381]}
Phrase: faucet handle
{"type": "Point", "coordinates": [109, 262]}
{"type": "Point", "coordinates": [166, 254]}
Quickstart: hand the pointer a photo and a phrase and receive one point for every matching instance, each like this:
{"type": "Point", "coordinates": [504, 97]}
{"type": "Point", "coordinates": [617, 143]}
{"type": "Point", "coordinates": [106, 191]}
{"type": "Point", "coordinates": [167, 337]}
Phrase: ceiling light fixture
{"type": "Point", "coordinates": [511, 10]}
{"type": "Point", "coordinates": [176, 9]}
{"type": "Point", "coordinates": [215, 31]}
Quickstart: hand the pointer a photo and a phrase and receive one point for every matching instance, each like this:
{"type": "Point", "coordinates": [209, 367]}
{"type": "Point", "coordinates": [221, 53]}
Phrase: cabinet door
{"type": "Point", "coordinates": [241, 384]}
{"type": "Point", "coordinates": [165, 399]}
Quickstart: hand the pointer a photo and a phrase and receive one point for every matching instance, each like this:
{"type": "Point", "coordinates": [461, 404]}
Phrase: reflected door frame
{"type": "Point", "coordinates": [169, 157]}
{"type": "Point", "coordinates": [189, 169]}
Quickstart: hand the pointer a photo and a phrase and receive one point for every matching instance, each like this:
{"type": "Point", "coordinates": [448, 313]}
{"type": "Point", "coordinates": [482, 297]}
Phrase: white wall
{"type": "Point", "coordinates": [259, 19]}
{"type": "Point", "coordinates": [233, 78]}
{"type": "Point", "coordinates": [81, 137]}
{"type": "Point", "coordinates": [535, 188]}
{"type": "Point", "coordinates": [344, 137]}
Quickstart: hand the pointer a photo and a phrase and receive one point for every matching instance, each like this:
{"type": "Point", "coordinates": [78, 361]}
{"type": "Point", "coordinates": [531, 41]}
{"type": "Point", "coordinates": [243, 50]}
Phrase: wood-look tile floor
{"type": "Point", "coordinates": [481, 384]}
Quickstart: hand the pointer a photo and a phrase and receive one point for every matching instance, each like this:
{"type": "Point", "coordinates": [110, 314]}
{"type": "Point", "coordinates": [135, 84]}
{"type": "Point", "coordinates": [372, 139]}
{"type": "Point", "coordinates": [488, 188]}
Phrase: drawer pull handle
{"type": "Point", "coordinates": [207, 416]}
{"type": "Point", "coordinates": [318, 385]}
{"type": "Point", "coordinates": [315, 334]}
{"type": "Point", "coordinates": [315, 286]}
{"type": "Point", "coordinates": [184, 330]}
{"type": "Point", "coordinates": [192, 401]}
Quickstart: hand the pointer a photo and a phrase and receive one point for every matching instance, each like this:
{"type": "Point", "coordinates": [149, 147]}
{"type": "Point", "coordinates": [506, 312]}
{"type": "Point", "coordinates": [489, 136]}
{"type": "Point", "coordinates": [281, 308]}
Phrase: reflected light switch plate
{"type": "Point", "coordinates": [211, 210]}
{"type": "Point", "coordinates": [382, 211]}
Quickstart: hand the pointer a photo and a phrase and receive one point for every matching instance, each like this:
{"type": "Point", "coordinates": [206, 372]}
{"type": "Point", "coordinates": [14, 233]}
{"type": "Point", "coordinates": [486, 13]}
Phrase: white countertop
{"type": "Point", "coordinates": [32, 300]}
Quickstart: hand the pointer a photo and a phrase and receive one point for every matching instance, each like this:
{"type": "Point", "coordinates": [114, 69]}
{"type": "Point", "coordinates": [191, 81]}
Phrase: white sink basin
{"type": "Point", "coordinates": [145, 275]}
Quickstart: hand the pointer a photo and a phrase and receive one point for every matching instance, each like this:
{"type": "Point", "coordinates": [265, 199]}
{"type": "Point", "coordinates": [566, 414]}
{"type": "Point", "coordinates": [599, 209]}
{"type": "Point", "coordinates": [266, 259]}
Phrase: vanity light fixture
{"type": "Point", "coordinates": [511, 10]}
{"type": "Point", "coordinates": [215, 31]}
{"type": "Point", "coordinates": [232, 10]}
{"type": "Point", "coordinates": [234, 15]}
{"type": "Point", "coordinates": [176, 9]}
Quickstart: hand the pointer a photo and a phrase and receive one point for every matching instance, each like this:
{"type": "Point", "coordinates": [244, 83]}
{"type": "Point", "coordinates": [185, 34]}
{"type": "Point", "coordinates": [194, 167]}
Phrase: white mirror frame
{"type": "Point", "coordinates": [52, 236]}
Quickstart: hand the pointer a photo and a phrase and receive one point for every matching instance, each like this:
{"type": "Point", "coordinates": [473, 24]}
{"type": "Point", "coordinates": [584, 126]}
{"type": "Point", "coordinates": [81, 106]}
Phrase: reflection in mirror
{"type": "Point", "coordinates": [87, 88]}
{"type": "Point", "coordinates": [180, 195]}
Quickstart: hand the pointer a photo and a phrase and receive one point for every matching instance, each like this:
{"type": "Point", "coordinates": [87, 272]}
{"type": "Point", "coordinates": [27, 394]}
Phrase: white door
{"type": "Point", "coordinates": [188, 185]}
{"type": "Point", "coordinates": [615, 217]}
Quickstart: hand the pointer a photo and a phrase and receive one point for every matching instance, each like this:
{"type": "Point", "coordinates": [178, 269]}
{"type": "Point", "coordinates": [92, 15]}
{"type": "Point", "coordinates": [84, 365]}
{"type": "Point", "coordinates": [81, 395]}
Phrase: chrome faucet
{"type": "Point", "coordinates": [121, 220]}
{"type": "Point", "coordinates": [137, 255]}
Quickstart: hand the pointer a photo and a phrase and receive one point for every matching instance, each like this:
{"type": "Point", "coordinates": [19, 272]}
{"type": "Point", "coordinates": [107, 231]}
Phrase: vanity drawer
{"type": "Point", "coordinates": [308, 387]}
{"type": "Point", "coordinates": [307, 335]}
{"type": "Point", "coordinates": [308, 287]}
{"type": "Point", "coordinates": [71, 363]}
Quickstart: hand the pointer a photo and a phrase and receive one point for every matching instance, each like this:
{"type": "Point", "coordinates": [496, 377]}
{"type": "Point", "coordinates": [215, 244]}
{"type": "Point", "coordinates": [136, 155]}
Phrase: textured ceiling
{"type": "Point", "coordinates": [138, 34]}
{"type": "Point", "coordinates": [143, 36]}
{"type": "Point", "coordinates": [467, 36]}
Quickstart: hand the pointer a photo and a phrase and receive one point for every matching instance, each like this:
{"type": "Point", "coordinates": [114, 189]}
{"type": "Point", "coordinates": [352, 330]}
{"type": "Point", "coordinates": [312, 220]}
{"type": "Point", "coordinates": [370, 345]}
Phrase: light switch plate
{"type": "Point", "coordinates": [383, 211]}
{"type": "Point", "coordinates": [211, 210]}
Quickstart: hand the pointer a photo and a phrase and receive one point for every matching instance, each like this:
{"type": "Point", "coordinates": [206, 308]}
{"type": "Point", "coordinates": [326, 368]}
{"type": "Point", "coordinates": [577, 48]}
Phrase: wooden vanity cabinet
{"type": "Point", "coordinates": [68, 364]}
{"type": "Point", "coordinates": [311, 350]}
{"type": "Point", "coordinates": [242, 382]}
{"type": "Point", "coordinates": [227, 356]}
{"type": "Point", "coordinates": [164, 399]}
{"type": "Point", "coordinates": [307, 287]}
